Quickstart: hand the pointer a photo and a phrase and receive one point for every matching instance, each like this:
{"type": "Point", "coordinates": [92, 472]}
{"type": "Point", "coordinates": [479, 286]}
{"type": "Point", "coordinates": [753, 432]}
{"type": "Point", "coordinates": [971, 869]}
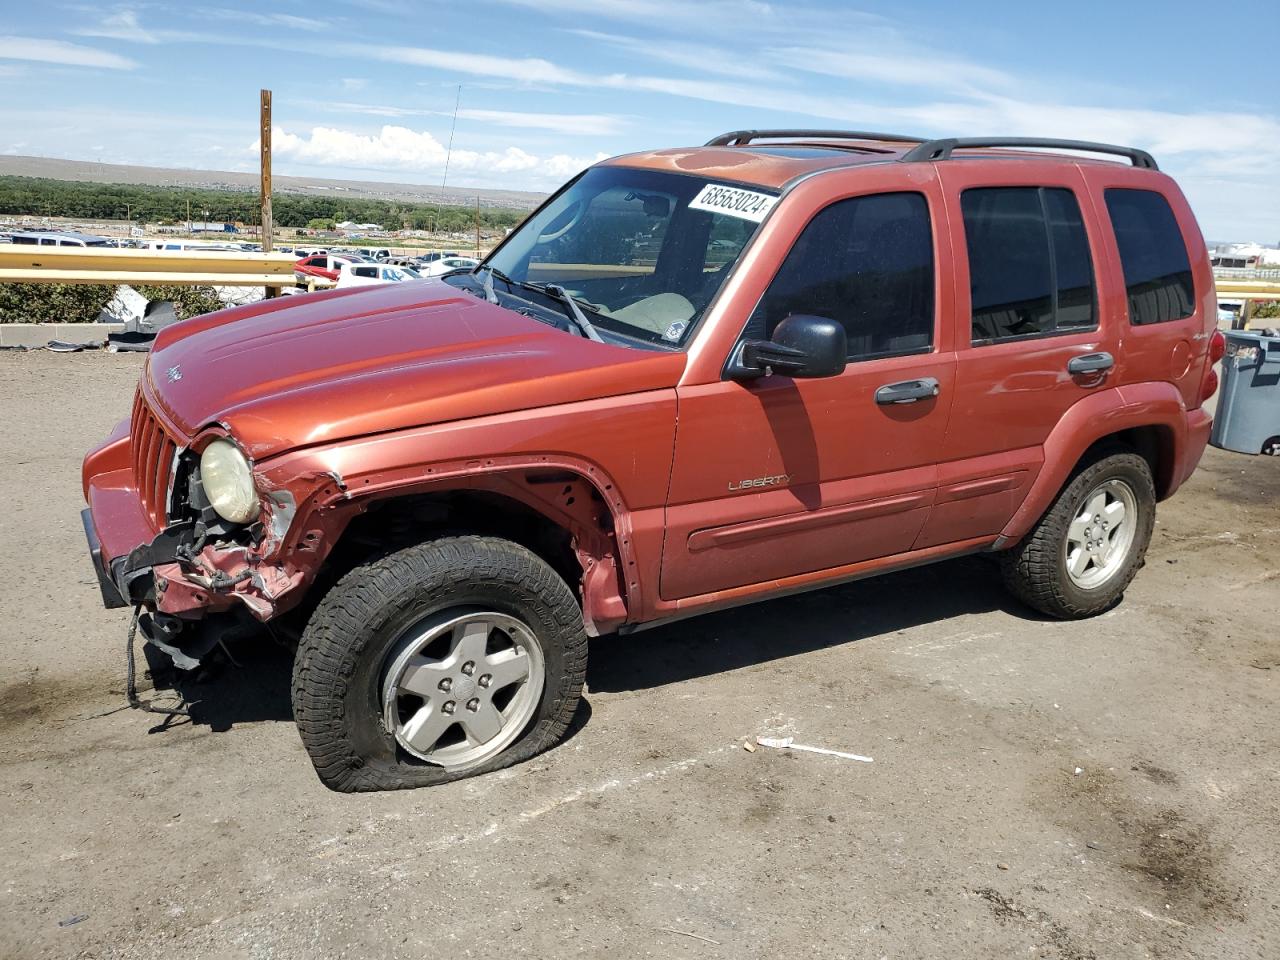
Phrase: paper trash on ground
{"type": "Point", "coordinates": [788, 743]}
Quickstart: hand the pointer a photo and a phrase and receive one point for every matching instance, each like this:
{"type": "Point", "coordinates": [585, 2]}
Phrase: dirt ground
{"type": "Point", "coordinates": [1060, 790]}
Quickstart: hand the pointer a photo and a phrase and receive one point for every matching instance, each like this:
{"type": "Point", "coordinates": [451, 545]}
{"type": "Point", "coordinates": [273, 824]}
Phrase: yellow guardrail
{"type": "Point", "coordinates": [1247, 289]}
{"type": "Point", "coordinates": [22, 263]}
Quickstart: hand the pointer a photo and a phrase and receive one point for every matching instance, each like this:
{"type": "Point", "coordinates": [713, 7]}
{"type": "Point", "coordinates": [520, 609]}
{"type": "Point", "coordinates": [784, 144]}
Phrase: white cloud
{"type": "Point", "coordinates": [364, 109]}
{"type": "Point", "coordinates": [354, 84]}
{"type": "Point", "coordinates": [895, 68]}
{"type": "Point", "coordinates": [526, 70]}
{"type": "Point", "coordinates": [712, 13]}
{"type": "Point", "coordinates": [61, 52]}
{"type": "Point", "coordinates": [401, 149]}
{"type": "Point", "coordinates": [283, 21]}
{"type": "Point", "coordinates": [121, 25]}
{"type": "Point", "coordinates": [691, 56]}
{"type": "Point", "coordinates": [569, 124]}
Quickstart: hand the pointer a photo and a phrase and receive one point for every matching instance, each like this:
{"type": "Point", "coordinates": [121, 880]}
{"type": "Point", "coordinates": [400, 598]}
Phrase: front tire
{"type": "Point", "coordinates": [1084, 552]}
{"type": "Point", "coordinates": [444, 660]}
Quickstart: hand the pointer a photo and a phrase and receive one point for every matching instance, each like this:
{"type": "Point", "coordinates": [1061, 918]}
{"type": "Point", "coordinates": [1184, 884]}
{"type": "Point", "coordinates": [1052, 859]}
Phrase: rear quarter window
{"type": "Point", "coordinates": [1157, 271]}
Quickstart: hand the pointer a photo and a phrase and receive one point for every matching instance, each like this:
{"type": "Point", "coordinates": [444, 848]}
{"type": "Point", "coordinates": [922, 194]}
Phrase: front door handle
{"type": "Point", "coordinates": [908, 391]}
{"type": "Point", "coordinates": [1091, 363]}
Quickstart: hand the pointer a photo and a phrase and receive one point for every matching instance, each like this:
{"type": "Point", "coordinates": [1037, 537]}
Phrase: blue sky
{"type": "Point", "coordinates": [366, 88]}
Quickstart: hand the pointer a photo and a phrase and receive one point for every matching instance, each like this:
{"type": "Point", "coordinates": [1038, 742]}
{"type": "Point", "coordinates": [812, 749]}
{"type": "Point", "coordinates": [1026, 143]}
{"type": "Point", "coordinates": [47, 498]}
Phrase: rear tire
{"type": "Point", "coordinates": [359, 650]}
{"type": "Point", "coordinates": [1084, 552]}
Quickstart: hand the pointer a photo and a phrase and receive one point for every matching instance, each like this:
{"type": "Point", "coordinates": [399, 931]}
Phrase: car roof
{"type": "Point", "coordinates": [58, 235]}
{"type": "Point", "coordinates": [773, 164]}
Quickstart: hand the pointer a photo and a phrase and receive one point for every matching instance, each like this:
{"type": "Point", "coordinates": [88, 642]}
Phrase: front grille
{"type": "Point", "coordinates": [151, 451]}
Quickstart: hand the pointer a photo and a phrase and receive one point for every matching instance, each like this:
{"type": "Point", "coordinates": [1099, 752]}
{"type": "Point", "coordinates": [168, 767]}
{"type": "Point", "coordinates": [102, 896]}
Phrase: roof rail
{"type": "Point", "coordinates": [739, 138]}
{"type": "Point", "coordinates": [941, 149]}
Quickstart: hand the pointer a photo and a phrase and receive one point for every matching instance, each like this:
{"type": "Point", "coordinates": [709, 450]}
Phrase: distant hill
{"type": "Point", "coordinates": [92, 172]}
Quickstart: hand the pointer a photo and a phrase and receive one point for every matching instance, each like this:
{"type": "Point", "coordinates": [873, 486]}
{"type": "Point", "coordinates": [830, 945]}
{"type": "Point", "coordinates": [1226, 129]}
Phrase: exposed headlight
{"type": "Point", "coordinates": [228, 482]}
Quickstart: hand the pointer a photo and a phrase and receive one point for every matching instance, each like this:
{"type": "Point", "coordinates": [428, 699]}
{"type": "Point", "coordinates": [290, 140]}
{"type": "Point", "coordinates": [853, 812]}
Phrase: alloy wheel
{"type": "Point", "coordinates": [462, 686]}
{"type": "Point", "coordinates": [1098, 540]}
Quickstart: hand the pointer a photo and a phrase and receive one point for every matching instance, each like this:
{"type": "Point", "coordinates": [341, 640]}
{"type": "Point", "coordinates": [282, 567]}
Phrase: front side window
{"type": "Point", "coordinates": [1157, 273]}
{"type": "Point", "coordinates": [867, 263]}
{"type": "Point", "coordinates": [1030, 271]}
{"type": "Point", "coordinates": [642, 252]}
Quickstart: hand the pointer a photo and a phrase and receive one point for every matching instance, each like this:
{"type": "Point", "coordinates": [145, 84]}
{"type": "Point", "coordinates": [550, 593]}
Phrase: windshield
{"type": "Point", "coordinates": [642, 252]}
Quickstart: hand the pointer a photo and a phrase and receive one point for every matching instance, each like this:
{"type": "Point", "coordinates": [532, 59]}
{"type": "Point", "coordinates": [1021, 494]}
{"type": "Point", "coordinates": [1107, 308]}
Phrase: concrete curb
{"type": "Point", "coordinates": [38, 334]}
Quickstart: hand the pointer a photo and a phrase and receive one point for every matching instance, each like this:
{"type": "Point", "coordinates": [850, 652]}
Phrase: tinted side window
{"type": "Point", "coordinates": [1072, 262]}
{"type": "Point", "coordinates": [1157, 273]}
{"type": "Point", "coordinates": [866, 262]}
{"type": "Point", "coordinates": [1030, 272]}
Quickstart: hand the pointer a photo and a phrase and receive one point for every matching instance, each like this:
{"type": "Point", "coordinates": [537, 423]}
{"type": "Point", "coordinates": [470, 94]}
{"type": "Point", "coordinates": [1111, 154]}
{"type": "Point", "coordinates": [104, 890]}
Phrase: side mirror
{"type": "Point", "coordinates": [802, 346]}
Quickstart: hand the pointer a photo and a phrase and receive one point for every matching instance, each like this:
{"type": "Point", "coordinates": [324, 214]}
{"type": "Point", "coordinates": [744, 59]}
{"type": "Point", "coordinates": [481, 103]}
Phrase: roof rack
{"type": "Point", "coordinates": [941, 149]}
{"type": "Point", "coordinates": [740, 138]}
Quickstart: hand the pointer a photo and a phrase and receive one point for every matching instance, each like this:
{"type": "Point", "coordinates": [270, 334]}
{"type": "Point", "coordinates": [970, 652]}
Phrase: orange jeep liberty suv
{"type": "Point", "coordinates": [693, 378]}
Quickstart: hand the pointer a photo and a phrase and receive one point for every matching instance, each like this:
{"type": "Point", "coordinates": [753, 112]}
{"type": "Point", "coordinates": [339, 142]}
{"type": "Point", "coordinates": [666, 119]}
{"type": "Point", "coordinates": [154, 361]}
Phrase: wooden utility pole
{"type": "Point", "coordinates": [477, 228]}
{"type": "Point", "coordinates": [264, 138]}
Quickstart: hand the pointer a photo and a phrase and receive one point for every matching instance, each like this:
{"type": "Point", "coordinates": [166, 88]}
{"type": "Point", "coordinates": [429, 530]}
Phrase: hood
{"type": "Point", "coordinates": [293, 372]}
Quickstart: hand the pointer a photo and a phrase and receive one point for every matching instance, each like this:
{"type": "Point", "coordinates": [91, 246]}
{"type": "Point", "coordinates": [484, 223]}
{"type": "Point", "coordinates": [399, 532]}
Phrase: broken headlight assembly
{"type": "Point", "coordinates": [227, 480]}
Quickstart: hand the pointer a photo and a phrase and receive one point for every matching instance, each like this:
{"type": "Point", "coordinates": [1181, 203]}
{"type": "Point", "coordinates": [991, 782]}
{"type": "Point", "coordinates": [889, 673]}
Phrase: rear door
{"type": "Point", "coordinates": [780, 477]}
{"type": "Point", "coordinates": [1028, 306]}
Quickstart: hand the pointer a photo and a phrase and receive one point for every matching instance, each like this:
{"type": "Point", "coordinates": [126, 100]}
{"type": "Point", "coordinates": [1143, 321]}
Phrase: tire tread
{"type": "Point", "coordinates": [1032, 570]}
{"type": "Point", "coordinates": [362, 603]}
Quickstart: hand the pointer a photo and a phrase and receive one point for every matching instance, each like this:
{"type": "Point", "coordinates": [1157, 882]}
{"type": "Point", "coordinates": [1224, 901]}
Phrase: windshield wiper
{"type": "Point", "coordinates": [552, 290]}
{"type": "Point", "coordinates": [575, 312]}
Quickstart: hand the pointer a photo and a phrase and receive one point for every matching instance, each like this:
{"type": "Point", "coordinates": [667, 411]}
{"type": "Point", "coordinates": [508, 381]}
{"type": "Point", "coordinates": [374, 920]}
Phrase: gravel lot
{"type": "Point", "coordinates": [1040, 789]}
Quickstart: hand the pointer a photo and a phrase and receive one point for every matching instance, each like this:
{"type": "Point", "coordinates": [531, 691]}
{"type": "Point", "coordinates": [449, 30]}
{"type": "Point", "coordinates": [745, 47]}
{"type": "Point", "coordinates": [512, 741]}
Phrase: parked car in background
{"type": "Point", "coordinates": [907, 350]}
{"type": "Point", "coordinates": [445, 264]}
{"type": "Point", "coordinates": [326, 265]}
{"type": "Point", "coordinates": [58, 239]}
{"type": "Point", "coordinates": [375, 253]}
{"type": "Point", "coordinates": [193, 246]}
{"type": "Point", "coordinates": [360, 274]}
{"type": "Point", "coordinates": [429, 258]}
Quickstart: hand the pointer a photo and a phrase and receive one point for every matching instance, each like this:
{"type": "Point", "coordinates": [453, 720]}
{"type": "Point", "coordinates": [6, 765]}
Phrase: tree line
{"type": "Point", "coordinates": [35, 196]}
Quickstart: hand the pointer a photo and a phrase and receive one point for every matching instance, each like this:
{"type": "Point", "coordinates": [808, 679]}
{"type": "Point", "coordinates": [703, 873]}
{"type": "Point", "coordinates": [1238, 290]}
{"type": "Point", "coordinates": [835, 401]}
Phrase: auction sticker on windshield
{"type": "Point", "coordinates": [732, 202]}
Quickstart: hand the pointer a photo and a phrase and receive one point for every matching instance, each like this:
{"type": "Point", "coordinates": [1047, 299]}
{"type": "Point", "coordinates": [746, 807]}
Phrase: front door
{"type": "Point", "coordinates": [776, 477]}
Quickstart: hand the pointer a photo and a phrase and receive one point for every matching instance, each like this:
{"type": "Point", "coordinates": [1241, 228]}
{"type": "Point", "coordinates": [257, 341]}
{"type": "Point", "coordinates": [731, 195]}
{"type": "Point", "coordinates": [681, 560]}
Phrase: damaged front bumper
{"type": "Point", "coordinates": [111, 595]}
{"type": "Point", "coordinates": [172, 574]}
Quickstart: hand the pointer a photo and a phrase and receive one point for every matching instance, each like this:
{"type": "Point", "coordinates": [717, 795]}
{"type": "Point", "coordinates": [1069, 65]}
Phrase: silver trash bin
{"type": "Point", "coordinates": [1248, 415]}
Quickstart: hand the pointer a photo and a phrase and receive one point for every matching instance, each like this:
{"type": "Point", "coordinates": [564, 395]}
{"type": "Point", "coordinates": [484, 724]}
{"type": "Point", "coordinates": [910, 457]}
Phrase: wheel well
{"type": "Point", "coordinates": [401, 521]}
{"type": "Point", "coordinates": [1153, 443]}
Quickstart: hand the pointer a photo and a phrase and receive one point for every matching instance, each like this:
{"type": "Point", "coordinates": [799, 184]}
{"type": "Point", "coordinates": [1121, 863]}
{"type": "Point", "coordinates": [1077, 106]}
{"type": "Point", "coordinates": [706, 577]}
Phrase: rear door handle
{"type": "Point", "coordinates": [1091, 363]}
{"type": "Point", "coordinates": [908, 391]}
